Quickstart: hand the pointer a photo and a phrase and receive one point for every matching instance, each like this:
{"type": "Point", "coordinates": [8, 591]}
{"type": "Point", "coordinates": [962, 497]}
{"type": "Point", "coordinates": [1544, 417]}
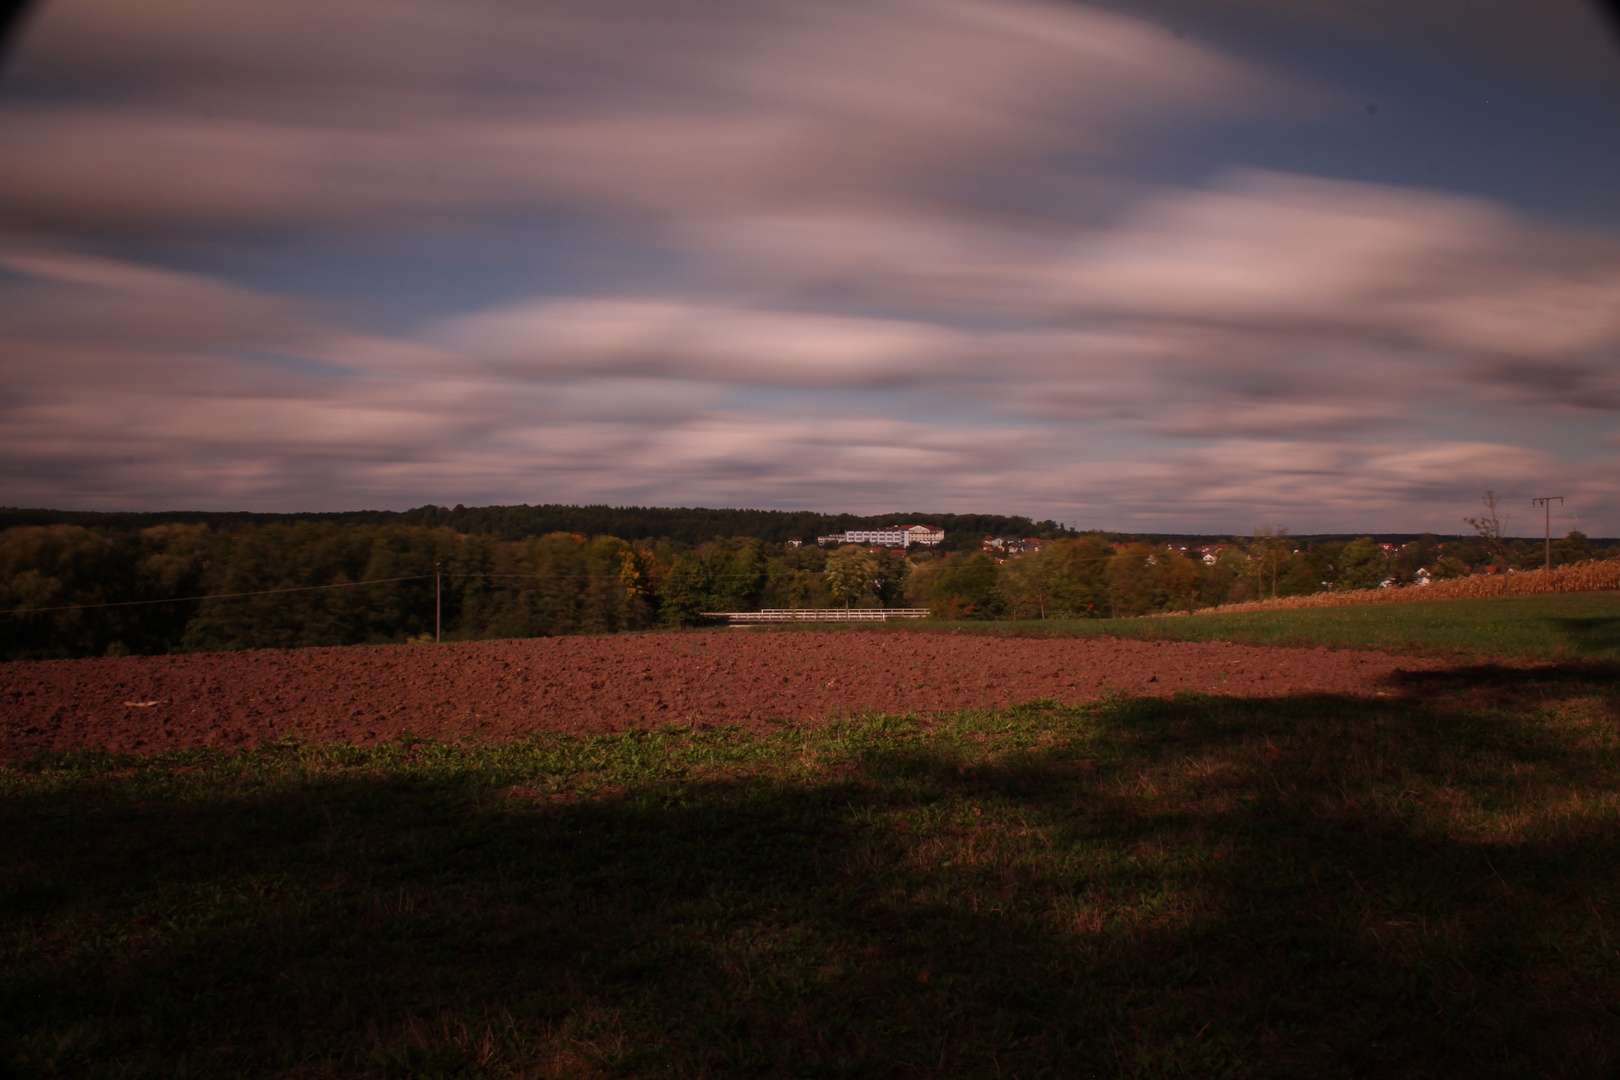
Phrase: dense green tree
{"type": "Point", "coordinates": [1361, 565]}
{"type": "Point", "coordinates": [1419, 554]}
{"type": "Point", "coordinates": [849, 574]}
{"type": "Point", "coordinates": [686, 590]}
{"type": "Point", "coordinates": [1078, 574]}
{"type": "Point", "coordinates": [1304, 573]}
{"type": "Point", "coordinates": [890, 575]}
{"type": "Point", "coordinates": [1133, 581]}
{"type": "Point", "coordinates": [1573, 548]}
{"type": "Point", "coordinates": [793, 579]}
{"type": "Point", "coordinates": [737, 573]}
{"type": "Point", "coordinates": [965, 586]}
{"type": "Point", "coordinates": [1447, 566]}
{"type": "Point", "coordinates": [1268, 553]}
{"type": "Point", "coordinates": [59, 566]}
{"type": "Point", "coordinates": [1230, 581]}
{"type": "Point", "coordinates": [68, 567]}
{"type": "Point", "coordinates": [307, 556]}
{"type": "Point", "coordinates": [573, 587]}
{"type": "Point", "coordinates": [1026, 584]}
{"type": "Point", "coordinates": [1469, 556]}
{"type": "Point", "coordinates": [1526, 555]}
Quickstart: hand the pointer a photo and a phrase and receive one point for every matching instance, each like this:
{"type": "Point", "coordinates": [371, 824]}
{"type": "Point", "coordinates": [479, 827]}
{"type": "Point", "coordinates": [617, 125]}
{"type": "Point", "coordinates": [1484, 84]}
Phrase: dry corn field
{"type": "Point", "coordinates": [1591, 576]}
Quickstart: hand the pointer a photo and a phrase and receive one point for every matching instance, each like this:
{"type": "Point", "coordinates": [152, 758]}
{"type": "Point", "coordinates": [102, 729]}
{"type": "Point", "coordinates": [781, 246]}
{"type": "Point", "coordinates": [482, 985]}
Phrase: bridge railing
{"type": "Point", "coordinates": [780, 615]}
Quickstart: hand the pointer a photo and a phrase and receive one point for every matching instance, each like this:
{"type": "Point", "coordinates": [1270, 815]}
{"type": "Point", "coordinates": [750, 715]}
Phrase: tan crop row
{"type": "Point", "coordinates": [1592, 576]}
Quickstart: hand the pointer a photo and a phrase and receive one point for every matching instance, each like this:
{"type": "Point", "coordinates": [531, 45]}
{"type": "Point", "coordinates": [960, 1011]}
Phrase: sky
{"type": "Point", "coordinates": [1328, 265]}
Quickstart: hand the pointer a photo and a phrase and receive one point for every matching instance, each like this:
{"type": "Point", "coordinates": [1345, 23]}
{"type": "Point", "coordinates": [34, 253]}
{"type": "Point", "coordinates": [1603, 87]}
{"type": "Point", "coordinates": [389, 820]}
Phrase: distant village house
{"type": "Point", "coordinates": [1012, 545]}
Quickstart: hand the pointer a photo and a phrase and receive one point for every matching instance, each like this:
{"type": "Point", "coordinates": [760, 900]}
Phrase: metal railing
{"type": "Point", "coordinates": [780, 615]}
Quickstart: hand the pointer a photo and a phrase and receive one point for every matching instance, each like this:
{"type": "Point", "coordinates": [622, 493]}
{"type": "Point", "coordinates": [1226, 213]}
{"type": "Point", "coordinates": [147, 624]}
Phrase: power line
{"type": "Point", "coordinates": [310, 588]}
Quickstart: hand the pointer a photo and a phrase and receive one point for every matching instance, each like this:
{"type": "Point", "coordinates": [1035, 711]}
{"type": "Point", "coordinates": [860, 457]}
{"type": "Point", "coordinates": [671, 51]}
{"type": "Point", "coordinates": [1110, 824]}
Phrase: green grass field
{"type": "Point", "coordinates": [1558, 625]}
{"type": "Point", "coordinates": [1424, 886]}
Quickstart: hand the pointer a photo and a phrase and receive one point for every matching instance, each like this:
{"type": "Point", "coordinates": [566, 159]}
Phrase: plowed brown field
{"type": "Point", "coordinates": [507, 689]}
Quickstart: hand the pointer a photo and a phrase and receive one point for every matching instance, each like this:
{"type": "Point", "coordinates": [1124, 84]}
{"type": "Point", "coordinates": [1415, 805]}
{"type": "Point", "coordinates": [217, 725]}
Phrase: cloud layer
{"type": "Point", "coordinates": [848, 256]}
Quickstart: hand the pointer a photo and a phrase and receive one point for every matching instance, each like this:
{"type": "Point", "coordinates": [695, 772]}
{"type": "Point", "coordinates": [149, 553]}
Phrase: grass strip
{"type": "Point", "coordinates": [1555, 626]}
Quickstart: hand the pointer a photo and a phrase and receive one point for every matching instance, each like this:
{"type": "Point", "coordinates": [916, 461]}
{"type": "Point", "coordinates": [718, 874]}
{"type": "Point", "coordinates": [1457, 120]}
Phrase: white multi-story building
{"type": "Point", "coordinates": [926, 535]}
{"type": "Point", "coordinates": [896, 536]}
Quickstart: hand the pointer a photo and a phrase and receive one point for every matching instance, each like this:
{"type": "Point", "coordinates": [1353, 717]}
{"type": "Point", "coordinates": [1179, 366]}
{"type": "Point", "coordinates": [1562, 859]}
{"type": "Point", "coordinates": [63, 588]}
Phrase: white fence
{"type": "Point", "coordinates": [778, 615]}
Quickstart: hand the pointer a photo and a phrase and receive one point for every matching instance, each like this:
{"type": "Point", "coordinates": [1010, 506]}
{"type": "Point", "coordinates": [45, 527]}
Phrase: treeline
{"type": "Point", "coordinates": [1090, 577]}
{"type": "Point", "coordinates": [691, 526]}
{"type": "Point", "coordinates": [66, 590]}
{"type": "Point", "coordinates": [556, 584]}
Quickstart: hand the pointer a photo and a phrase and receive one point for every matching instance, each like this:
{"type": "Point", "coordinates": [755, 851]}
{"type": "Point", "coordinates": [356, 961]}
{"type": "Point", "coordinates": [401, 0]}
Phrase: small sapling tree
{"type": "Point", "coordinates": [1490, 526]}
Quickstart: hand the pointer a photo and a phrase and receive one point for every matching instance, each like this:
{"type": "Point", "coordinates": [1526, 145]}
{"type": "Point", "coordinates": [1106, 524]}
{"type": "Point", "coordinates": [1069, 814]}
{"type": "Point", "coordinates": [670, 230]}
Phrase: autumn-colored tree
{"type": "Point", "coordinates": [1180, 581]}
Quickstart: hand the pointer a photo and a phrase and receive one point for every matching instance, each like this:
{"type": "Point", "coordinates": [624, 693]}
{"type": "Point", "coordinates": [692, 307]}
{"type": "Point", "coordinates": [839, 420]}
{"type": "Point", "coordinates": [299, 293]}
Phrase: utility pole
{"type": "Point", "coordinates": [1547, 501]}
{"type": "Point", "coordinates": [438, 606]}
{"type": "Point", "coordinates": [1275, 552]}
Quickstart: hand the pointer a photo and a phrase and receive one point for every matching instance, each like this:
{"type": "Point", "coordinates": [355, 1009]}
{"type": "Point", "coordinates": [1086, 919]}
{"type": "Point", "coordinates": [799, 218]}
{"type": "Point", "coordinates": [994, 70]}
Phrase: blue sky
{"type": "Point", "coordinates": [1323, 264]}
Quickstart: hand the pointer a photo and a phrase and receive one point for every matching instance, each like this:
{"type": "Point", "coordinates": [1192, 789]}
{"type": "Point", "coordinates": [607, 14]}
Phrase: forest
{"type": "Point", "coordinates": [69, 591]}
{"type": "Point", "coordinates": [683, 525]}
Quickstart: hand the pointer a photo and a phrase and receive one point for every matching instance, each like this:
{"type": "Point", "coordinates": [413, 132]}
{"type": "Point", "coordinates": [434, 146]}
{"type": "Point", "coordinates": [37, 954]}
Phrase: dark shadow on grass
{"type": "Point", "coordinates": [1188, 887]}
{"type": "Point", "coordinates": [1593, 634]}
{"type": "Point", "coordinates": [1505, 685]}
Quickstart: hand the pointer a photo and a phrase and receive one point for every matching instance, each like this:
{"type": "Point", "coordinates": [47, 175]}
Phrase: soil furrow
{"type": "Point", "coordinates": [507, 689]}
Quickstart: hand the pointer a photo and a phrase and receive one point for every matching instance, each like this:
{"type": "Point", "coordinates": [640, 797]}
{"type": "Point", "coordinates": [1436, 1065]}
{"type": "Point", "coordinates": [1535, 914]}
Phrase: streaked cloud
{"type": "Point", "coordinates": [693, 340]}
{"type": "Point", "coordinates": [371, 114]}
{"type": "Point", "coordinates": [850, 256]}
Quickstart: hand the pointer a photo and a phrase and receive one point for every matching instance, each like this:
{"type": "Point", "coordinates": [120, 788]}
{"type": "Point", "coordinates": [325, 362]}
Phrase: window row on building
{"type": "Point", "coordinates": [897, 536]}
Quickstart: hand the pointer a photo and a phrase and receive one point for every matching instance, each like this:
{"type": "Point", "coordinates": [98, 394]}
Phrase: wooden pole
{"type": "Point", "coordinates": [1547, 501]}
